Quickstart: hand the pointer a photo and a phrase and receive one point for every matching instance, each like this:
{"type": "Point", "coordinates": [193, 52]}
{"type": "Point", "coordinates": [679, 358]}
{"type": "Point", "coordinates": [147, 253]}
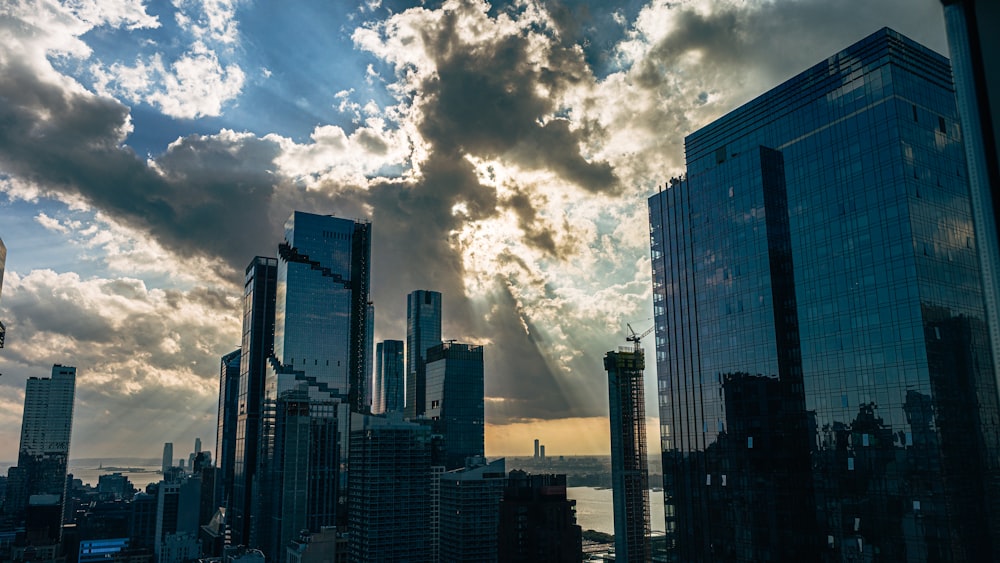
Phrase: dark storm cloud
{"type": "Point", "coordinates": [211, 199]}
{"type": "Point", "coordinates": [777, 39]}
{"type": "Point", "coordinates": [484, 101]}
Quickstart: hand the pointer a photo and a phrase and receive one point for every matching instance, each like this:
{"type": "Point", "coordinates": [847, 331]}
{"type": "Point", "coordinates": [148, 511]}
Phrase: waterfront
{"type": "Point", "coordinates": [594, 510]}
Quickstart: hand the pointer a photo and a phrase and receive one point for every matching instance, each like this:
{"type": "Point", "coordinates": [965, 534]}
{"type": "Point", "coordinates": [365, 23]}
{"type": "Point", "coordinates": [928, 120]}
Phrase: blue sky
{"type": "Point", "coordinates": [503, 151]}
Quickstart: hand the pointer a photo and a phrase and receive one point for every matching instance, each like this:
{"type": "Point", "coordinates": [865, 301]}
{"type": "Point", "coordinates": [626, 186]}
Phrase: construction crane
{"type": "Point", "coordinates": [635, 338]}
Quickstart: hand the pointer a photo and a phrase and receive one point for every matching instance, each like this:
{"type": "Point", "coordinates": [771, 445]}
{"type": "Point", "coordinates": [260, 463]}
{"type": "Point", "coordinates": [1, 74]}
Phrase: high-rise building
{"type": "Point", "coordinates": [168, 457]}
{"type": "Point", "coordinates": [46, 427]}
{"type": "Point", "coordinates": [423, 330]}
{"type": "Point", "coordinates": [629, 466]}
{"type": "Point", "coordinates": [470, 511]}
{"type": "Point", "coordinates": [369, 356]}
{"type": "Point", "coordinates": [454, 394]}
{"type": "Point", "coordinates": [827, 391]}
{"type": "Point", "coordinates": [389, 486]}
{"type": "Point", "coordinates": [225, 441]}
{"type": "Point", "coordinates": [537, 521]}
{"type": "Point", "coordinates": [974, 47]}
{"type": "Point", "coordinates": [259, 292]}
{"type": "Point", "coordinates": [389, 377]}
{"type": "Point", "coordinates": [316, 371]}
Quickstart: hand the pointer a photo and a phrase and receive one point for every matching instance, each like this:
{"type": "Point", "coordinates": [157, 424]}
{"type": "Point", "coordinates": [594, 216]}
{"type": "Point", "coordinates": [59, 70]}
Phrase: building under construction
{"type": "Point", "coordinates": [629, 469]}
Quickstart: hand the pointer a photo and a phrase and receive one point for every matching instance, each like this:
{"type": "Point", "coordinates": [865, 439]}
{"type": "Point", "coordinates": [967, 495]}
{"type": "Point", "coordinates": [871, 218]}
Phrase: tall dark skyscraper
{"type": "Point", "coordinates": [423, 330]}
{"type": "Point", "coordinates": [316, 374]}
{"type": "Point", "coordinates": [827, 391]}
{"type": "Point", "coordinates": [389, 490]}
{"type": "Point", "coordinates": [629, 466]}
{"type": "Point", "coordinates": [974, 45]}
{"type": "Point", "coordinates": [46, 427]}
{"type": "Point", "coordinates": [225, 439]}
{"type": "Point", "coordinates": [389, 377]}
{"type": "Point", "coordinates": [259, 291]}
{"type": "Point", "coordinates": [537, 521]}
{"type": "Point", "coordinates": [454, 385]}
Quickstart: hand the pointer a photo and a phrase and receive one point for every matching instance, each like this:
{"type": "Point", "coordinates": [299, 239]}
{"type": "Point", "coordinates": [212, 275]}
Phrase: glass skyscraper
{"type": "Point", "coordinates": [259, 288]}
{"type": "Point", "coordinates": [225, 438]}
{"type": "Point", "coordinates": [315, 377]}
{"type": "Point", "coordinates": [423, 330]}
{"type": "Point", "coordinates": [826, 387]}
{"type": "Point", "coordinates": [389, 380]}
{"type": "Point", "coordinates": [46, 427]}
{"type": "Point", "coordinates": [455, 401]}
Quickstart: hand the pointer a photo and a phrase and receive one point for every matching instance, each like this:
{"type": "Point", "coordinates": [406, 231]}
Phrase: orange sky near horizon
{"type": "Point", "coordinates": [567, 436]}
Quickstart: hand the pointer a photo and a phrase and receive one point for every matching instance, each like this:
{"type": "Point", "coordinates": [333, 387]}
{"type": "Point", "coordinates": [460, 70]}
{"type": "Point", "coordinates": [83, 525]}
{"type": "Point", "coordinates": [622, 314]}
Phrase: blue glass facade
{"type": "Point", "coordinates": [259, 285]}
{"type": "Point", "coordinates": [825, 385]}
{"type": "Point", "coordinates": [225, 438]}
{"type": "Point", "coordinates": [423, 330]}
{"type": "Point", "coordinates": [455, 401]}
{"type": "Point", "coordinates": [389, 380]}
{"type": "Point", "coordinates": [315, 377]}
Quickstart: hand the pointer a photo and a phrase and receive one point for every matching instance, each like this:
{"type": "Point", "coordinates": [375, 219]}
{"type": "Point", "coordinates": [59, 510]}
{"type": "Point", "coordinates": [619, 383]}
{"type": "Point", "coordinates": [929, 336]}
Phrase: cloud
{"type": "Point", "coordinates": [506, 174]}
{"type": "Point", "coordinates": [194, 85]}
{"type": "Point", "coordinates": [143, 354]}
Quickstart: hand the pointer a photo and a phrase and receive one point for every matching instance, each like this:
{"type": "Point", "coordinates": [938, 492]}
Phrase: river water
{"type": "Point", "coordinates": [594, 509]}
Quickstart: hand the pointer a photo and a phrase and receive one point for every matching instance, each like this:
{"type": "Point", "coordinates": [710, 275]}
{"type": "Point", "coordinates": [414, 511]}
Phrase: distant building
{"type": "Point", "coordinates": [177, 513]}
{"type": "Point", "coordinates": [455, 398]}
{"type": "Point", "coordinates": [389, 485]}
{"type": "Point", "coordinates": [115, 485]}
{"type": "Point", "coordinates": [168, 457]}
{"type": "Point", "coordinates": [536, 448]}
{"type": "Point", "coordinates": [46, 427]}
{"type": "Point", "coordinates": [390, 383]}
{"type": "Point", "coordinates": [537, 521]}
{"type": "Point", "coordinates": [423, 331]}
{"type": "Point", "coordinates": [225, 440]}
{"type": "Point", "coordinates": [470, 511]}
{"type": "Point", "coordinates": [629, 466]}
{"type": "Point", "coordinates": [259, 294]}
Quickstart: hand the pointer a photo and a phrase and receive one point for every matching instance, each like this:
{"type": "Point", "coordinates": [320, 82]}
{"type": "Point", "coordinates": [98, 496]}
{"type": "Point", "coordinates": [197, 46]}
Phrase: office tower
{"type": "Point", "coordinates": [316, 371]}
{"type": "Point", "coordinates": [388, 496]}
{"type": "Point", "coordinates": [389, 380]}
{"type": "Point", "coordinates": [470, 511]}
{"type": "Point", "coordinates": [177, 509]}
{"type": "Point", "coordinates": [975, 56]}
{"type": "Point", "coordinates": [826, 386]}
{"type": "Point", "coordinates": [259, 292]}
{"type": "Point", "coordinates": [423, 330]}
{"type": "Point", "coordinates": [541, 451]}
{"type": "Point", "coordinates": [536, 448]}
{"type": "Point", "coordinates": [225, 441]}
{"type": "Point", "coordinates": [322, 303]}
{"type": "Point", "coordinates": [537, 521]}
{"type": "Point", "coordinates": [168, 457]}
{"type": "Point", "coordinates": [454, 393]}
{"type": "Point", "coordinates": [629, 466]}
{"type": "Point", "coordinates": [46, 427]}
{"type": "Point", "coordinates": [369, 356]}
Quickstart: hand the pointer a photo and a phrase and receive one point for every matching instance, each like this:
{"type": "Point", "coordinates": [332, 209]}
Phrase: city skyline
{"type": "Point", "coordinates": [529, 219]}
